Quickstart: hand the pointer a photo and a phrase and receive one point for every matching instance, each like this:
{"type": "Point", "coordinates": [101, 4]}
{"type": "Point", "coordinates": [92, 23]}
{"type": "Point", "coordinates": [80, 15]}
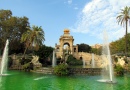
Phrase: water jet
{"type": "Point", "coordinates": [4, 60]}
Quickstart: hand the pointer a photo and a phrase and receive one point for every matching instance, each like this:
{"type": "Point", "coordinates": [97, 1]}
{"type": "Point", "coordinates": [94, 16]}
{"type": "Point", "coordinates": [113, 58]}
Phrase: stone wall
{"type": "Point", "coordinates": [86, 71]}
{"type": "Point", "coordinates": [75, 71]}
{"type": "Point", "coordinates": [88, 58]}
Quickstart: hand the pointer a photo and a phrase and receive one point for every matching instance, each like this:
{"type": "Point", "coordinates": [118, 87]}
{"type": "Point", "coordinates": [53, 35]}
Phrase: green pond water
{"type": "Point", "coordinates": [35, 81]}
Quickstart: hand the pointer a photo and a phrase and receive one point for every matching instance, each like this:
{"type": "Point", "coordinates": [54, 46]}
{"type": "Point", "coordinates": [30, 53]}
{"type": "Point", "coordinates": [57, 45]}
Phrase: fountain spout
{"type": "Point", "coordinates": [93, 61]}
{"type": "Point", "coordinates": [4, 60]}
{"type": "Point", "coordinates": [53, 59]}
{"type": "Point", "coordinates": [107, 61]}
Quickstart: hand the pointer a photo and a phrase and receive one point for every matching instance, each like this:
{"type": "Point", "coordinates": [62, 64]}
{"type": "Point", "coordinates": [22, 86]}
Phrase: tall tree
{"type": "Point", "coordinates": [45, 54]}
{"type": "Point", "coordinates": [123, 19]}
{"type": "Point", "coordinates": [12, 28]}
{"type": "Point", "coordinates": [33, 38]}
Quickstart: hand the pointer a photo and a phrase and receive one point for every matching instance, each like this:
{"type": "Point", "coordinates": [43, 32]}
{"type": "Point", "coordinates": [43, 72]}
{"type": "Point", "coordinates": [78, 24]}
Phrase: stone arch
{"type": "Point", "coordinates": [66, 39]}
{"type": "Point", "coordinates": [74, 49]}
{"type": "Point", "coordinates": [66, 46]}
{"type": "Point", "coordinates": [81, 58]}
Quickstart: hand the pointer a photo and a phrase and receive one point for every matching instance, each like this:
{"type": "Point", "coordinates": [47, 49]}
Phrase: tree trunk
{"type": "Point", "coordinates": [24, 52]}
{"type": "Point", "coordinates": [126, 46]}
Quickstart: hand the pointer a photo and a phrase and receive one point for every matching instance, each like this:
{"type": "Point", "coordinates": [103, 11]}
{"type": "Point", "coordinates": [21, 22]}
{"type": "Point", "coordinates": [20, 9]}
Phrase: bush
{"type": "Point", "coordinates": [119, 69]}
{"type": "Point", "coordinates": [61, 69]}
{"type": "Point", "coordinates": [73, 61]}
{"type": "Point", "coordinates": [10, 62]}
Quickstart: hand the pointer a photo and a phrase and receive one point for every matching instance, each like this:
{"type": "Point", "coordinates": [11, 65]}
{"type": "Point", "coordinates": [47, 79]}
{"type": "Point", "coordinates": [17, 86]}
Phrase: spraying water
{"type": "Point", "coordinates": [107, 61]}
{"type": "Point", "coordinates": [53, 59]}
{"type": "Point", "coordinates": [83, 63]}
{"type": "Point", "coordinates": [4, 61]}
{"type": "Point", "coordinates": [106, 53]}
{"type": "Point", "coordinates": [93, 61]}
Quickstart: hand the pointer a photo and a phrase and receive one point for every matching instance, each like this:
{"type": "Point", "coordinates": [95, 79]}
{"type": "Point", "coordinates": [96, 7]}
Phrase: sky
{"type": "Point", "coordinates": [86, 19]}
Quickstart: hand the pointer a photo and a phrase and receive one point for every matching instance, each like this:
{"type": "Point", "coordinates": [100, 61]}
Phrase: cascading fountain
{"type": "Point", "coordinates": [84, 63]}
{"type": "Point", "coordinates": [53, 59]}
{"type": "Point", "coordinates": [107, 73]}
{"type": "Point", "coordinates": [3, 65]}
{"type": "Point", "coordinates": [93, 61]}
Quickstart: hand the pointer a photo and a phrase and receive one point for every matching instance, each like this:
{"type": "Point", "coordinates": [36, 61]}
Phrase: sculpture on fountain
{"type": "Point", "coordinates": [35, 62]}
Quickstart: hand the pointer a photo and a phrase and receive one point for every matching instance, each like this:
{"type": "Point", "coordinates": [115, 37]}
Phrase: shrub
{"type": "Point", "coordinates": [73, 61]}
{"type": "Point", "coordinates": [10, 62]}
{"type": "Point", "coordinates": [119, 69]}
{"type": "Point", "coordinates": [61, 69]}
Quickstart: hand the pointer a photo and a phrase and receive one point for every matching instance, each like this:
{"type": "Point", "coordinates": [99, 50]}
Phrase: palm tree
{"type": "Point", "coordinates": [123, 19]}
{"type": "Point", "coordinates": [33, 38]}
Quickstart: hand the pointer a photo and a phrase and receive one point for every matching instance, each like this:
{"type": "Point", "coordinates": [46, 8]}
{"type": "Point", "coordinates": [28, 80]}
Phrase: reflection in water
{"type": "Point", "coordinates": [40, 78]}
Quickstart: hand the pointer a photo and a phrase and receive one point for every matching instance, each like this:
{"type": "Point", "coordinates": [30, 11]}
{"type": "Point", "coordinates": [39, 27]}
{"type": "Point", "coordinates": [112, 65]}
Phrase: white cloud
{"type": "Point", "coordinates": [69, 1]}
{"type": "Point", "coordinates": [99, 15]}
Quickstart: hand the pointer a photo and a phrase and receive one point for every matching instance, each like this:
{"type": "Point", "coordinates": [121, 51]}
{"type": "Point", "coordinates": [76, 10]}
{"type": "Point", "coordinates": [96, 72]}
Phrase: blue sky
{"type": "Point", "coordinates": [86, 19]}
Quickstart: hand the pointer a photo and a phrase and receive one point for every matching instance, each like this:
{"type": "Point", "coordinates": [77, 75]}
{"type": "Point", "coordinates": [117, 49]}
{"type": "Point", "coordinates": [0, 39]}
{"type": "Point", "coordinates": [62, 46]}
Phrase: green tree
{"type": "Point", "coordinates": [84, 48]}
{"type": "Point", "coordinates": [33, 38]}
{"type": "Point", "coordinates": [72, 61]}
{"type": "Point", "coordinates": [12, 28]}
{"type": "Point", "coordinates": [123, 19]}
{"type": "Point", "coordinates": [45, 54]}
{"type": "Point", "coordinates": [118, 46]}
{"type": "Point", "coordinates": [61, 69]}
{"type": "Point", "coordinates": [97, 51]}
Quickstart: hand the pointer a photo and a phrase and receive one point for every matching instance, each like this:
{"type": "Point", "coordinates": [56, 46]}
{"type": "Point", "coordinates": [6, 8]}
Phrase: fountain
{"type": "Point", "coordinates": [93, 61]}
{"type": "Point", "coordinates": [84, 63]}
{"type": "Point", "coordinates": [107, 62]}
{"type": "Point", "coordinates": [4, 60]}
{"type": "Point", "coordinates": [53, 59]}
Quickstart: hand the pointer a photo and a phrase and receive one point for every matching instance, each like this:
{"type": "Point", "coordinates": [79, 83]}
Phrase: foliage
{"type": "Point", "coordinates": [33, 38]}
{"type": "Point", "coordinates": [118, 46]}
{"type": "Point", "coordinates": [61, 69]}
{"type": "Point", "coordinates": [10, 61]}
{"type": "Point", "coordinates": [12, 28]}
{"type": "Point", "coordinates": [119, 69]}
{"type": "Point", "coordinates": [115, 59]}
{"type": "Point", "coordinates": [73, 61]}
{"type": "Point", "coordinates": [45, 54]}
{"type": "Point", "coordinates": [96, 51]}
{"type": "Point", "coordinates": [84, 48]}
{"type": "Point", "coordinates": [123, 19]}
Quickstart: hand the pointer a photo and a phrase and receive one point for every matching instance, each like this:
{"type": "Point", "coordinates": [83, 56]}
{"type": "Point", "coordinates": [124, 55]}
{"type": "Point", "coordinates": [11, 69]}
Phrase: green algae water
{"type": "Point", "coordinates": [17, 80]}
